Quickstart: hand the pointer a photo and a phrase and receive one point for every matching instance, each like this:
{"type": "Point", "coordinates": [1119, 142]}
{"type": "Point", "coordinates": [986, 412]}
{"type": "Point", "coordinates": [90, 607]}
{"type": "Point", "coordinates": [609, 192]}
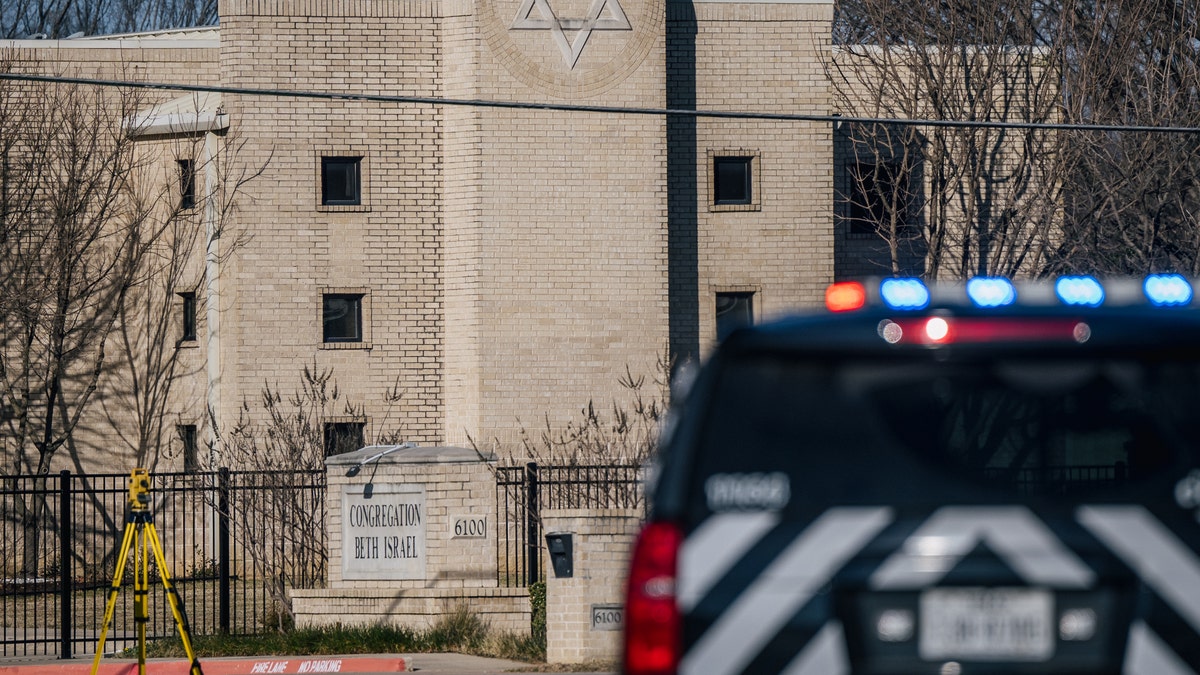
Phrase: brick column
{"type": "Point", "coordinates": [580, 610]}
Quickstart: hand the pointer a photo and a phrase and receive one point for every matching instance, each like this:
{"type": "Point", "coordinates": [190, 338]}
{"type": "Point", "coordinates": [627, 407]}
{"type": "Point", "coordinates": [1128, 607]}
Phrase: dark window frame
{"type": "Point", "coordinates": [726, 193]}
{"type": "Point", "coordinates": [358, 334]}
{"type": "Point", "coordinates": [339, 436]}
{"type": "Point", "coordinates": [351, 194]}
{"type": "Point", "coordinates": [188, 316]}
{"type": "Point", "coordinates": [741, 302]}
{"type": "Point", "coordinates": [187, 183]}
{"type": "Point", "coordinates": [191, 455]}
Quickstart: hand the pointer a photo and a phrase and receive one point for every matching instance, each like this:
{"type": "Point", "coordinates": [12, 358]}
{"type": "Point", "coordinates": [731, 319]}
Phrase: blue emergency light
{"type": "Point", "coordinates": [1079, 291]}
{"type": "Point", "coordinates": [991, 291]}
{"type": "Point", "coordinates": [1168, 290]}
{"type": "Point", "coordinates": [904, 293]}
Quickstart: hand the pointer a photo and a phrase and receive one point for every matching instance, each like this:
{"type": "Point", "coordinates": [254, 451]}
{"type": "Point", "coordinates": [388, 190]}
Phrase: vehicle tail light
{"type": "Point", "coordinates": [652, 621]}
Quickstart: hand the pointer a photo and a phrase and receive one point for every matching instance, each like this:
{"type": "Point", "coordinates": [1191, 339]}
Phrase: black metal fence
{"type": "Point", "coordinates": [60, 536]}
{"type": "Point", "coordinates": [523, 491]}
{"type": "Point", "coordinates": [235, 541]}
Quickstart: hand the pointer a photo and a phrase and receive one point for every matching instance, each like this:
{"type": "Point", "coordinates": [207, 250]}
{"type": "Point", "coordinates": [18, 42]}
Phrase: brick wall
{"type": "Point", "coordinates": [556, 254]}
{"type": "Point", "coordinates": [766, 57]}
{"type": "Point", "coordinates": [602, 541]}
{"type": "Point", "coordinates": [389, 249]}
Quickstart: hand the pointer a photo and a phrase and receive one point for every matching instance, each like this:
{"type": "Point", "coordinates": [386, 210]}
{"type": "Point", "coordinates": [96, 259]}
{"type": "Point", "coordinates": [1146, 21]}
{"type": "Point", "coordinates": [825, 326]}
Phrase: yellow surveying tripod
{"type": "Point", "coordinates": [140, 533]}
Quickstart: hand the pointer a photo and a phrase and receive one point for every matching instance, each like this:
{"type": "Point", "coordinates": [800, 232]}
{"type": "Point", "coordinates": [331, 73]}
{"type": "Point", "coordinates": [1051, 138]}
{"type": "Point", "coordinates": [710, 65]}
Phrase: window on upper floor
{"type": "Point", "coordinates": [187, 313]}
{"type": "Point", "coordinates": [341, 181]}
{"type": "Point", "coordinates": [191, 453]}
{"type": "Point", "coordinates": [342, 317]}
{"type": "Point", "coordinates": [732, 180]}
{"type": "Point", "coordinates": [187, 183]}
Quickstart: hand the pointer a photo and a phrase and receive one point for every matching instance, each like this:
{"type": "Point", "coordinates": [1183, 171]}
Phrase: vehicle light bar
{"type": "Point", "coordinates": [909, 294]}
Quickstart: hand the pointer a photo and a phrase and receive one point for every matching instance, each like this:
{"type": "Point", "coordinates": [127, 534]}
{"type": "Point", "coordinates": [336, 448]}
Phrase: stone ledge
{"type": "Point", "coordinates": [593, 513]}
{"type": "Point", "coordinates": [402, 594]}
{"type": "Point", "coordinates": [504, 609]}
{"type": "Point", "coordinates": [386, 455]}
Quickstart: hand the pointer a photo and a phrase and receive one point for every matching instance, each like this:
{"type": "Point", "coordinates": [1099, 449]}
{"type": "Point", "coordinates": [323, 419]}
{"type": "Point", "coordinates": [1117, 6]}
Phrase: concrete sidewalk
{"type": "Point", "coordinates": [440, 664]}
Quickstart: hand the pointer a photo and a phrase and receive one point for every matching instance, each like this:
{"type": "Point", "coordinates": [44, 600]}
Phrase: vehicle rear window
{"type": "Point", "coordinates": [1027, 426]}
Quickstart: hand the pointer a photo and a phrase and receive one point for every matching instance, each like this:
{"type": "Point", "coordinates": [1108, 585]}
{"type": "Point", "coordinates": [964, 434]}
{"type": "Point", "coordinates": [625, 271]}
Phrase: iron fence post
{"type": "Point", "coordinates": [533, 549]}
{"type": "Point", "coordinates": [223, 548]}
{"type": "Point", "coordinates": [65, 589]}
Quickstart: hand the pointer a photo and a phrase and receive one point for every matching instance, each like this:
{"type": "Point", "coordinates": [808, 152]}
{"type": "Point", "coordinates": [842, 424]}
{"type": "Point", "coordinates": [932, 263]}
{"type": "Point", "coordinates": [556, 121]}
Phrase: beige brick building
{"type": "Point", "coordinates": [488, 264]}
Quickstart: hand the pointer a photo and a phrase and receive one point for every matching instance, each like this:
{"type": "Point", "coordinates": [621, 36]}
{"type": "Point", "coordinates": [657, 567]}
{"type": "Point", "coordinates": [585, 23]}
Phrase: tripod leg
{"type": "Point", "coordinates": [112, 594]}
{"type": "Point", "coordinates": [141, 600]}
{"type": "Point", "coordinates": [177, 609]}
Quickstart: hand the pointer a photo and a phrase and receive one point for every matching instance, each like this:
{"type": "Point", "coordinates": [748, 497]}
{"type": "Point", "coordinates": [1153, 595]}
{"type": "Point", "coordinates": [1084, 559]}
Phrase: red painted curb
{"type": "Point", "coordinates": [262, 666]}
{"type": "Point", "coordinates": [307, 664]}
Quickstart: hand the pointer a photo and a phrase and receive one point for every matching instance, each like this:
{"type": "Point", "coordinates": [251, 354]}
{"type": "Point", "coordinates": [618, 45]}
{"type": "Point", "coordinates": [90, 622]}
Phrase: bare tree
{"type": "Point", "coordinates": [74, 236]}
{"type": "Point", "coordinates": [1026, 201]}
{"type": "Point", "coordinates": [968, 200]}
{"type": "Point", "coordinates": [150, 337]}
{"type": "Point", "coordinates": [72, 239]}
{"type": "Point", "coordinates": [65, 18]}
{"type": "Point", "coordinates": [92, 244]}
{"type": "Point", "coordinates": [1133, 197]}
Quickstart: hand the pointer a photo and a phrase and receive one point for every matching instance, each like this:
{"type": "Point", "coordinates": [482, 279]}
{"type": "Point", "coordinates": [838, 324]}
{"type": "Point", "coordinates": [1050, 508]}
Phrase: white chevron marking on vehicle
{"type": "Point", "coordinates": [1154, 553]}
{"type": "Point", "coordinates": [1014, 533]}
{"type": "Point", "coordinates": [789, 581]}
{"type": "Point", "coordinates": [824, 655]}
{"type": "Point", "coordinates": [714, 548]}
{"type": "Point", "coordinates": [1147, 655]}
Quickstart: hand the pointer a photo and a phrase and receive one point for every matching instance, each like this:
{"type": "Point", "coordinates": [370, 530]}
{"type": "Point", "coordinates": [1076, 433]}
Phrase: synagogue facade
{"type": "Point", "coordinates": [469, 270]}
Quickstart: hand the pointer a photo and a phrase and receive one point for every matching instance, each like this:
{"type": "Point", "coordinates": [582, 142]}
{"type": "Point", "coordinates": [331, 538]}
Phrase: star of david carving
{"type": "Point", "coordinates": [548, 20]}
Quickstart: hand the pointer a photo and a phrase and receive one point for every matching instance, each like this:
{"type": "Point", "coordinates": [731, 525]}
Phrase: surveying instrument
{"type": "Point", "coordinates": [143, 538]}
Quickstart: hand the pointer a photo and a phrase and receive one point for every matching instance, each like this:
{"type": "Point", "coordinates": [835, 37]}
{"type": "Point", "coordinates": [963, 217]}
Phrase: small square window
{"type": "Point", "coordinates": [343, 437]}
{"type": "Point", "coordinates": [187, 184]}
{"type": "Point", "coordinates": [731, 180]}
{"type": "Point", "coordinates": [341, 316]}
{"type": "Point", "coordinates": [734, 310]}
{"type": "Point", "coordinates": [188, 316]}
{"type": "Point", "coordinates": [191, 455]}
{"type": "Point", "coordinates": [340, 184]}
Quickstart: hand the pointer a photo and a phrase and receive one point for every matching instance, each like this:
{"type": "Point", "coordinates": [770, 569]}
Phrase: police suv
{"type": "Point", "coordinates": [990, 477]}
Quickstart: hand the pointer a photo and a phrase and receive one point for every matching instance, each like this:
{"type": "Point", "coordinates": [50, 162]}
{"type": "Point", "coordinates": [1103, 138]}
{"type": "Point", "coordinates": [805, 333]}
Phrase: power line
{"type": "Point", "coordinates": [611, 110]}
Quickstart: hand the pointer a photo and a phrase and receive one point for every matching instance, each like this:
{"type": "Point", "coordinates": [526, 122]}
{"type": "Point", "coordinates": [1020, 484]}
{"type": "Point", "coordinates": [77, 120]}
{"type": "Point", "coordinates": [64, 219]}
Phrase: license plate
{"type": "Point", "coordinates": [987, 624]}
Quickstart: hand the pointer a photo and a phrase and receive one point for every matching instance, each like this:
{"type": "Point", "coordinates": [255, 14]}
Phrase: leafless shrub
{"type": "Point", "coordinates": [282, 439]}
{"type": "Point", "coordinates": [624, 432]}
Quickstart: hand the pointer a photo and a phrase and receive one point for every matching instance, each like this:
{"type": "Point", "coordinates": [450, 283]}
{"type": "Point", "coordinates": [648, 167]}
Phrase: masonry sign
{"type": "Point", "coordinates": [383, 531]}
{"type": "Point", "coordinates": [608, 617]}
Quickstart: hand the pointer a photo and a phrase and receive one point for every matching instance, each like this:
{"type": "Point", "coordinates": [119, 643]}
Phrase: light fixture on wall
{"type": "Point", "coordinates": [353, 471]}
